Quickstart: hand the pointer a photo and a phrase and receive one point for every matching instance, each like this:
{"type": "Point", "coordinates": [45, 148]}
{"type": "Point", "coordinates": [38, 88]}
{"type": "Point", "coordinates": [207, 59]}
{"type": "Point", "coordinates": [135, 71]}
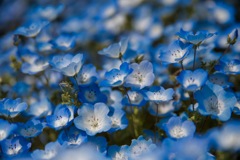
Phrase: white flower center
{"type": "Point", "coordinates": [178, 132]}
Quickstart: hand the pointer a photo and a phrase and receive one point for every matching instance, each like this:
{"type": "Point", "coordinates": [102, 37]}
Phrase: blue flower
{"type": "Point", "coordinates": [116, 77]}
{"type": "Point", "coordinates": [191, 81]}
{"type": "Point", "coordinates": [68, 64]}
{"type": "Point", "coordinates": [115, 50]}
{"type": "Point", "coordinates": [226, 138]}
{"type": "Point", "coordinates": [64, 42]}
{"type": "Point", "coordinates": [177, 128]}
{"type": "Point", "coordinates": [134, 98]}
{"type": "Point", "coordinates": [220, 79]}
{"type": "Point", "coordinates": [117, 153]}
{"type": "Point", "coordinates": [93, 119]}
{"type": "Point", "coordinates": [118, 118]}
{"type": "Point", "coordinates": [215, 101]}
{"type": "Point", "coordinates": [162, 108]}
{"type": "Point", "coordinates": [195, 38]}
{"type": "Point", "coordinates": [11, 108]}
{"type": "Point", "coordinates": [40, 108]}
{"type": "Point", "coordinates": [228, 66]}
{"type": "Point", "coordinates": [114, 97]}
{"type": "Point", "coordinates": [159, 94]}
{"type": "Point", "coordinates": [34, 66]}
{"type": "Point", "coordinates": [142, 75]}
{"type": "Point", "coordinates": [31, 128]}
{"type": "Point", "coordinates": [87, 75]}
{"type": "Point", "coordinates": [61, 118]}
{"type": "Point", "coordinates": [6, 129]}
{"type": "Point", "coordinates": [15, 146]}
{"type": "Point", "coordinates": [91, 94]}
{"type": "Point", "coordinates": [31, 28]}
{"type": "Point", "coordinates": [176, 52]}
{"type": "Point", "coordinates": [140, 147]}
{"type": "Point", "coordinates": [48, 12]}
{"type": "Point", "coordinates": [51, 150]}
{"type": "Point", "coordinates": [72, 137]}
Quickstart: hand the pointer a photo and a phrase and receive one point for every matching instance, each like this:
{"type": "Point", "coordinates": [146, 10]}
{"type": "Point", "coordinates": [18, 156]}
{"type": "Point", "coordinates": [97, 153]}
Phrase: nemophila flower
{"type": "Point", "coordinates": [45, 47]}
{"type": "Point", "coordinates": [93, 119]}
{"type": "Point", "coordinates": [64, 42]}
{"type": "Point", "coordinates": [34, 66]}
{"type": "Point", "coordinates": [159, 94]}
{"type": "Point", "coordinates": [194, 38]}
{"type": "Point", "coordinates": [87, 75]}
{"type": "Point", "coordinates": [134, 98]}
{"type": "Point", "coordinates": [118, 118]}
{"type": "Point", "coordinates": [51, 150]}
{"type": "Point", "coordinates": [11, 108]}
{"type": "Point", "coordinates": [72, 137]}
{"type": "Point", "coordinates": [84, 152]}
{"type": "Point", "coordinates": [226, 138]}
{"type": "Point", "coordinates": [31, 128]}
{"type": "Point", "coordinates": [116, 77]}
{"type": "Point", "coordinates": [115, 50]}
{"type": "Point", "coordinates": [41, 108]}
{"type": "Point", "coordinates": [161, 108]}
{"type": "Point", "coordinates": [60, 119]}
{"type": "Point", "coordinates": [14, 146]}
{"type": "Point", "coordinates": [91, 94]}
{"type": "Point", "coordinates": [177, 128]}
{"type": "Point", "coordinates": [114, 97]}
{"type": "Point", "coordinates": [232, 37]}
{"type": "Point", "coordinates": [192, 80]}
{"type": "Point", "coordinates": [6, 129]}
{"type": "Point", "coordinates": [228, 66]}
{"type": "Point", "coordinates": [99, 142]}
{"type": "Point", "coordinates": [31, 28]}
{"type": "Point", "coordinates": [176, 52]}
{"type": "Point", "coordinates": [220, 79]}
{"type": "Point", "coordinates": [215, 101]}
{"type": "Point", "coordinates": [68, 64]}
{"type": "Point", "coordinates": [142, 75]}
{"type": "Point", "coordinates": [48, 12]}
{"type": "Point", "coordinates": [140, 147]}
{"type": "Point", "coordinates": [118, 153]}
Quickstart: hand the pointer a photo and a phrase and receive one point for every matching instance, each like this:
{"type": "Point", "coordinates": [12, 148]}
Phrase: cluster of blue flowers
{"type": "Point", "coordinates": [119, 80]}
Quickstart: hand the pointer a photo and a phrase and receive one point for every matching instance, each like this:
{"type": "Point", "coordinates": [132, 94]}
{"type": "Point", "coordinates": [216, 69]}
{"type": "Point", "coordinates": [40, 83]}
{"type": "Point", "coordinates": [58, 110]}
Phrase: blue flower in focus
{"type": "Point", "coordinates": [31, 28]}
{"type": "Point", "coordinates": [194, 38]}
{"type": "Point", "coordinates": [114, 97]}
{"type": "Point", "coordinates": [91, 94]}
{"type": "Point", "coordinates": [142, 75]}
{"type": "Point", "coordinates": [87, 75]}
{"type": "Point", "coordinates": [64, 42]}
{"type": "Point", "coordinates": [118, 118]}
{"type": "Point", "coordinates": [215, 101]}
{"type": "Point", "coordinates": [116, 77]}
{"type": "Point", "coordinates": [52, 149]}
{"type": "Point", "coordinates": [115, 50]}
{"type": "Point", "coordinates": [6, 129]}
{"type": "Point", "coordinates": [15, 146]}
{"type": "Point", "coordinates": [31, 128]}
{"type": "Point", "coordinates": [11, 108]}
{"type": "Point", "coordinates": [140, 147]}
{"type": "Point", "coordinates": [61, 118]}
{"type": "Point", "coordinates": [159, 94]}
{"type": "Point", "coordinates": [228, 66]}
{"type": "Point", "coordinates": [68, 64]}
{"type": "Point", "coordinates": [134, 98]}
{"type": "Point", "coordinates": [177, 128]}
{"type": "Point", "coordinates": [93, 119]}
{"type": "Point", "coordinates": [72, 137]}
{"type": "Point", "coordinates": [191, 81]}
{"type": "Point", "coordinates": [176, 52]}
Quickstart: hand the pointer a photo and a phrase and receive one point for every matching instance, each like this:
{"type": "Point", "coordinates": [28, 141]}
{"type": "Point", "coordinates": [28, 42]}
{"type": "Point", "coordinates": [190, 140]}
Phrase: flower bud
{"type": "Point", "coordinates": [232, 37]}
